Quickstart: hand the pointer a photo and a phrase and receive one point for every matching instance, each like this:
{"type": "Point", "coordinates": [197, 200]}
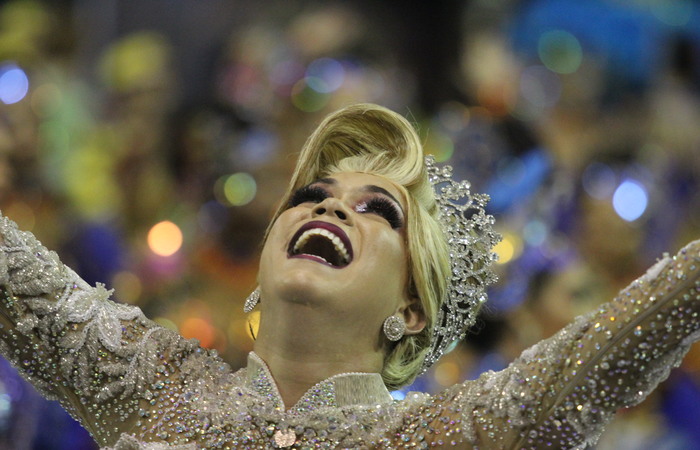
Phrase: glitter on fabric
{"type": "Point", "coordinates": [135, 385]}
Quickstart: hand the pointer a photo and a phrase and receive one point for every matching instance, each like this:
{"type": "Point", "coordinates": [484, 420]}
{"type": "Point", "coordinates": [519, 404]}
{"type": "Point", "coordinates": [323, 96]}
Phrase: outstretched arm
{"type": "Point", "coordinates": [563, 391]}
{"type": "Point", "coordinates": [105, 362]}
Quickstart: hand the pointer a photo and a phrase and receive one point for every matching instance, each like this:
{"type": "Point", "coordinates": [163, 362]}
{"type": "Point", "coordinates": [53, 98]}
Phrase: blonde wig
{"type": "Point", "coordinates": [372, 139]}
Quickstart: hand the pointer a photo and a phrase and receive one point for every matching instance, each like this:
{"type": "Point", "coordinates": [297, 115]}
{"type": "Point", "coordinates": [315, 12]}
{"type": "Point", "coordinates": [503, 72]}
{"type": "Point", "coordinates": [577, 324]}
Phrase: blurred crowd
{"type": "Point", "coordinates": [579, 119]}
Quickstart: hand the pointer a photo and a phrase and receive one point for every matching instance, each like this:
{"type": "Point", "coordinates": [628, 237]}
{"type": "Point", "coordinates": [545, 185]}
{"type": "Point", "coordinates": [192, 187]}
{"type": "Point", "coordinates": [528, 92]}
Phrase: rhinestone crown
{"type": "Point", "coordinates": [470, 238]}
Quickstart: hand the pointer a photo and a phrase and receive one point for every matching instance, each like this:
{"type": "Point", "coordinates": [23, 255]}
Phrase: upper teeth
{"type": "Point", "coordinates": [337, 243]}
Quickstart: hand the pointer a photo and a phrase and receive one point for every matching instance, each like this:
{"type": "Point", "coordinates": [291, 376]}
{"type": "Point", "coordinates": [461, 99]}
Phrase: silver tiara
{"type": "Point", "coordinates": [470, 238]}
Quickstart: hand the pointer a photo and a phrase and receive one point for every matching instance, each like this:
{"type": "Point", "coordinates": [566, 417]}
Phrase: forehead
{"type": "Point", "coordinates": [366, 181]}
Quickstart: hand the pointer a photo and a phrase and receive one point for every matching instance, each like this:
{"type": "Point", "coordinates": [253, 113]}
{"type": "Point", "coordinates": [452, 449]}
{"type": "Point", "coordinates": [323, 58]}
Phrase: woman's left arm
{"type": "Point", "coordinates": [563, 391]}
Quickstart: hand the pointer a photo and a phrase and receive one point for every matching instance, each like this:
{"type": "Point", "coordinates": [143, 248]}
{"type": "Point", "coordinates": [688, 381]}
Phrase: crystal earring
{"type": "Point", "coordinates": [251, 301]}
{"type": "Point", "coordinates": [394, 327]}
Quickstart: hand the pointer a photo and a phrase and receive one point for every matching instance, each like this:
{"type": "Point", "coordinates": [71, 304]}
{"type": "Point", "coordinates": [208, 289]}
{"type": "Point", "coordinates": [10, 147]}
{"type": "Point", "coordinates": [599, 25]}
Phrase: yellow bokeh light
{"type": "Point", "coordinates": [165, 238]}
{"type": "Point", "coordinates": [237, 189]}
{"type": "Point", "coordinates": [509, 248]}
{"type": "Point", "coordinates": [440, 146]}
{"type": "Point", "coordinates": [240, 189]}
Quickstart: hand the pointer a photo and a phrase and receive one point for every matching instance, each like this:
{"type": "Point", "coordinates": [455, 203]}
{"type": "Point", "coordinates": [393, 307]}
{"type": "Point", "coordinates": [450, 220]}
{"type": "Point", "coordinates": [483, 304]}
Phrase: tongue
{"type": "Point", "coordinates": [320, 246]}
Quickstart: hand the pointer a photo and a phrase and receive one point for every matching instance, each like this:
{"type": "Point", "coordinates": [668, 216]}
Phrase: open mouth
{"type": "Point", "coordinates": [322, 242]}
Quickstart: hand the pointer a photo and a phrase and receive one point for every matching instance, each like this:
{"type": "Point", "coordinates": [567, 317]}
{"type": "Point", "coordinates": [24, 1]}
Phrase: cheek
{"type": "Point", "coordinates": [389, 254]}
{"type": "Point", "coordinates": [275, 241]}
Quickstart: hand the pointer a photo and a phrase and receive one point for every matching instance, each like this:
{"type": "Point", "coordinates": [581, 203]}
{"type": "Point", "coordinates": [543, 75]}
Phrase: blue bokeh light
{"type": "Point", "coordinates": [630, 200]}
{"type": "Point", "coordinates": [398, 395]}
{"type": "Point", "coordinates": [327, 75]}
{"type": "Point", "coordinates": [14, 83]}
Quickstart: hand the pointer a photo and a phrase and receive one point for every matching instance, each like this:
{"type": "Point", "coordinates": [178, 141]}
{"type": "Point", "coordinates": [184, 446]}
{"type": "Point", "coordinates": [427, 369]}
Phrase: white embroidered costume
{"type": "Point", "coordinates": [136, 385]}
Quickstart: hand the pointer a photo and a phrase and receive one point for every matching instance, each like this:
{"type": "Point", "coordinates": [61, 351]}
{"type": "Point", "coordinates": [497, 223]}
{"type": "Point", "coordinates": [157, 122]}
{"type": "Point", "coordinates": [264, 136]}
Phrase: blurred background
{"type": "Point", "coordinates": [148, 142]}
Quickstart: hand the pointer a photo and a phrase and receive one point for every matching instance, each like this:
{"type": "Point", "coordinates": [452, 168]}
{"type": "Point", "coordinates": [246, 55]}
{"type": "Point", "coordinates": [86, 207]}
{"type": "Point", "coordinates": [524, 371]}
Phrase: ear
{"type": "Point", "coordinates": [413, 315]}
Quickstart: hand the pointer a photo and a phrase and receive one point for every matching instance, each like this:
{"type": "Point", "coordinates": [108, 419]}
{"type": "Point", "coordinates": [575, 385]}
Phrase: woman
{"type": "Point", "coordinates": [366, 277]}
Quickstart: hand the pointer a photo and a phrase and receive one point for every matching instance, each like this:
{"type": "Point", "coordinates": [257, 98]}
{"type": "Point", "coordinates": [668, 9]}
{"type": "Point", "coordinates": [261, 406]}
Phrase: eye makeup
{"type": "Point", "coordinates": [310, 193]}
{"type": "Point", "coordinates": [383, 207]}
{"type": "Point", "coordinates": [375, 200]}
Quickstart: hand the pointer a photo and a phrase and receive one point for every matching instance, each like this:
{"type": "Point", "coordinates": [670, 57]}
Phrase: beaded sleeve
{"type": "Point", "coordinates": [100, 359]}
{"type": "Point", "coordinates": [561, 392]}
{"type": "Point", "coordinates": [130, 382]}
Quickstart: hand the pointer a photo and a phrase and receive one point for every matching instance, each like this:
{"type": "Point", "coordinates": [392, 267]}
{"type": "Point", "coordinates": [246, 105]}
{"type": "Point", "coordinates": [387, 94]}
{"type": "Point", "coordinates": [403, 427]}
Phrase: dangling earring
{"type": "Point", "coordinates": [394, 327]}
{"type": "Point", "coordinates": [251, 301]}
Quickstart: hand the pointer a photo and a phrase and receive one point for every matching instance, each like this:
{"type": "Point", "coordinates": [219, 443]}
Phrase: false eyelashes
{"type": "Point", "coordinates": [310, 193]}
{"type": "Point", "coordinates": [375, 204]}
{"type": "Point", "coordinates": [383, 207]}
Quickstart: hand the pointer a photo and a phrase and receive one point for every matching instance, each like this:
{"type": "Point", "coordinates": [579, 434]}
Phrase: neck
{"type": "Point", "coordinates": [302, 346]}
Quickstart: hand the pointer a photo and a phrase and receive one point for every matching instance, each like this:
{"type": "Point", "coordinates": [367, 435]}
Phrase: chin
{"type": "Point", "coordinates": [298, 285]}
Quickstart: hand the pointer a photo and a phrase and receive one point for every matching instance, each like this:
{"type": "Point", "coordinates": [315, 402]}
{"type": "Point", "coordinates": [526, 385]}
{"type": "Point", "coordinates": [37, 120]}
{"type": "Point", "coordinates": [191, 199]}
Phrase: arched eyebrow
{"type": "Point", "coordinates": [366, 188]}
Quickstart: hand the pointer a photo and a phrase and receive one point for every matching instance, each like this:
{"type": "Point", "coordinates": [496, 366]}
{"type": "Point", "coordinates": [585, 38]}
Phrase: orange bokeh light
{"type": "Point", "coordinates": [165, 238]}
{"type": "Point", "coordinates": [200, 329]}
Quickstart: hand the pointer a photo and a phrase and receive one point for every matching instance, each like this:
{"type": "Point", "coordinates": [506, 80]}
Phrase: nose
{"type": "Point", "coordinates": [333, 207]}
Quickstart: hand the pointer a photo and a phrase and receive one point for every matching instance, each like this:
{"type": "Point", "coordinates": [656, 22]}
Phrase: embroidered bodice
{"type": "Point", "coordinates": [136, 385]}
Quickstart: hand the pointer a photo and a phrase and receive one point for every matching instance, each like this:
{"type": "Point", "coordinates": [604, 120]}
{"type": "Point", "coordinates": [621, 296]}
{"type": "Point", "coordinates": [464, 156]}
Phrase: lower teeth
{"type": "Point", "coordinates": [316, 256]}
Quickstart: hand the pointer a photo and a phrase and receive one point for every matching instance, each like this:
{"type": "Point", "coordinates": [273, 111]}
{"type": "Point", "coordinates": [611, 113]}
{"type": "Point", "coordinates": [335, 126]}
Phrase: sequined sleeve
{"type": "Point", "coordinates": [102, 360]}
{"type": "Point", "coordinates": [561, 392]}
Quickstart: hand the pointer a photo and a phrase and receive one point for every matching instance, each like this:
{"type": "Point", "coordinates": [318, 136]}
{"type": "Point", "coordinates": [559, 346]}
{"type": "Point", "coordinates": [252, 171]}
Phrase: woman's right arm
{"type": "Point", "coordinates": [107, 364]}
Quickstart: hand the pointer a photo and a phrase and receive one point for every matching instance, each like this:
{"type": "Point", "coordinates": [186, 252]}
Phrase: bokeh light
{"type": "Point", "coordinates": [14, 83]}
{"type": "Point", "coordinates": [447, 373]}
{"type": "Point", "coordinates": [327, 75]}
{"type": "Point", "coordinates": [398, 395]}
{"type": "Point", "coordinates": [535, 232]}
{"type": "Point", "coordinates": [630, 200]}
{"type": "Point", "coordinates": [560, 51]}
{"type": "Point", "coordinates": [672, 12]}
{"type": "Point", "coordinates": [509, 248]}
{"type": "Point", "coordinates": [237, 189]}
{"type": "Point", "coordinates": [165, 238]}
{"type": "Point", "coordinates": [257, 146]}
{"type": "Point", "coordinates": [5, 406]}
{"type": "Point", "coordinates": [440, 145]}
{"type": "Point", "coordinates": [198, 328]}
